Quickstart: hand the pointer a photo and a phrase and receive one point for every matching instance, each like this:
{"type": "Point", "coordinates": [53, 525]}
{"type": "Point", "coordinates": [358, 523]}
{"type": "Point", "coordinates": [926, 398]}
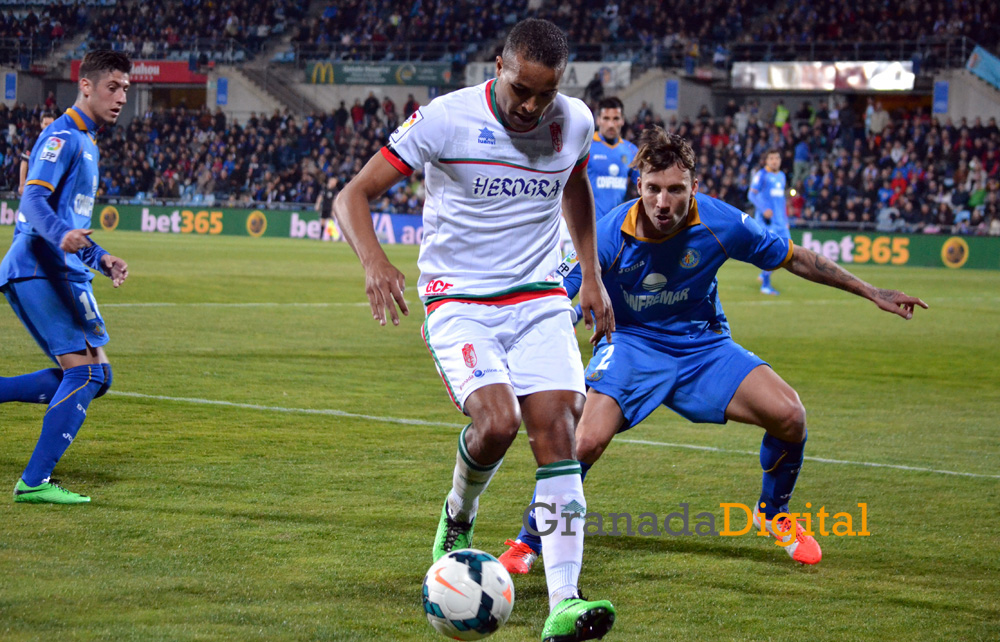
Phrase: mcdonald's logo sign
{"type": "Point", "coordinates": [322, 73]}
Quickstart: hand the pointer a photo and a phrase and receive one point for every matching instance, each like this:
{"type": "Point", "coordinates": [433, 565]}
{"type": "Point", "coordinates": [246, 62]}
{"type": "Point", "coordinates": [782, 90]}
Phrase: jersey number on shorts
{"type": "Point", "coordinates": [603, 360]}
{"type": "Point", "coordinates": [89, 306]}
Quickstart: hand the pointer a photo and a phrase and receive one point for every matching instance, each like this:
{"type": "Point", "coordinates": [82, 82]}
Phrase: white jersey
{"type": "Point", "coordinates": [493, 196]}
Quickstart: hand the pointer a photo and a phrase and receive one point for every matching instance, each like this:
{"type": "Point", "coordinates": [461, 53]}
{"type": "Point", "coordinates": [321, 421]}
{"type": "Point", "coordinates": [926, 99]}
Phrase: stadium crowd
{"type": "Point", "coordinates": [904, 172]}
{"type": "Point", "coordinates": [157, 29]}
{"type": "Point", "coordinates": [34, 31]}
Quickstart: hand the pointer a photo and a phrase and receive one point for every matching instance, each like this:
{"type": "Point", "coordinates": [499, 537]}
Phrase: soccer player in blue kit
{"type": "Point", "coordinates": [46, 274]}
{"type": "Point", "coordinates": [672, 346]}
{"type": "Point", "coordinates": [609, 168]}
{"type": "Point", "coordinates": [767, 193]}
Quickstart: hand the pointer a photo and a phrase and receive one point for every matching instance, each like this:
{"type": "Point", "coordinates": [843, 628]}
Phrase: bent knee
{"type": "Point", "coordinates": [791, 421]}
{"type": "Point", "coordinates": [497, 429]}
{"type": "Point", "coordinates": [106, 367]}
{"type": "Point", "coordinates": [589, 448]}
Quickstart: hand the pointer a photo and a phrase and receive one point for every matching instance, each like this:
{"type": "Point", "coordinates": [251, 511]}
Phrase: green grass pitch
{"type": "Point", "coordinates": [252, 480]}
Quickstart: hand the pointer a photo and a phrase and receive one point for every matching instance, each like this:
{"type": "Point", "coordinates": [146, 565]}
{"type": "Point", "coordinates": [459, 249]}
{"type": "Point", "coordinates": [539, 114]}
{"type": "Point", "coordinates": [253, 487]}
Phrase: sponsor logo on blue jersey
{"type": "Point", "coordinates": [654, 282]}
{"type": "Point", "coordinates": [504, 186]}
{"type": "Point", "coordinates": [640, 302]}
{"type": "Point", "coordinates": [486, 137]}
{"type": "Point", "coordinates": [634, 266]}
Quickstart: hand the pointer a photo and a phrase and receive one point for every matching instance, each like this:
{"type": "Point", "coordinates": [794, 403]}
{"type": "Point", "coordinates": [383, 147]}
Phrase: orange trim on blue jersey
{"type": "Point", "coordinates": [77, 119]}
{"type": "Point", "coordinates": [791, 247]}
{"type": "Point", "coordinates": [632, 218]}
{"type": "Point", "coordinates": [600, 139]}
{"type": "Point", "coordinates": [397, 163]}
{"type": "Point", "coordinates": [504, 299]}
{"type": "Point", "coordinates": [35, 181]}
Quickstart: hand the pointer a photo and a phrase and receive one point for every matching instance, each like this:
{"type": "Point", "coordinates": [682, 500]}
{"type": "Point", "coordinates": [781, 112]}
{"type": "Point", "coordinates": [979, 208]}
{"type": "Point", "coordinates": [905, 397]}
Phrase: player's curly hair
{"type": "Point", "coordinates": [102, 61]}
{"type": "Point", "coordinates": [659, 150]}
{"type": "Point", "coordinates": [537, 41]}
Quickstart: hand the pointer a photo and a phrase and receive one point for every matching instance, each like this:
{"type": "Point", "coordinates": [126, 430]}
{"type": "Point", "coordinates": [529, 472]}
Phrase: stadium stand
{"type": "Point", "coordinates": [915, 174]}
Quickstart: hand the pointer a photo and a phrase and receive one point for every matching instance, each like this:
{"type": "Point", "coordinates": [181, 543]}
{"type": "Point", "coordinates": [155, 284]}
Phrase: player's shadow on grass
{"type": "Point", "coordinates": [715, 546]}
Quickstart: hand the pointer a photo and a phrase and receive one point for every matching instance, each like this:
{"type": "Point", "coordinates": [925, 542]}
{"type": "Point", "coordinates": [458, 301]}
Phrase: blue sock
{"type": "Point", "coordinates": [765, 279]}
{"type": "Point", "coordinates": [63, 419]}
{"type": "Point", "coordinates": [534, 541]}
{"type": "Point", "coordinates": [781, 461]}
{"type": "Point", "coordinates": [37, 387]}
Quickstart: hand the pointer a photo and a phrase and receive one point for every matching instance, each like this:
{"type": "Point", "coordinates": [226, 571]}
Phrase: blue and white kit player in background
{"type": "Point", "coordinates": [609, 168]}
{"type": "Point", "coordinates": [767, 193]}
{"type": "Point", "coordinates": [672, 345]}
{"type": "Point", "coordinates": [46, 274]}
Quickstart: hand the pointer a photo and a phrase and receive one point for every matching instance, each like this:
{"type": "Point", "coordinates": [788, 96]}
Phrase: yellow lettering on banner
{"type": "Point", "coordinates": [880, 250]}
{"type": "Point", "coordinates": [864, 520]}
{"type": "Point", "coordinates": [862, 247]}
{"type": "Point", "coordinates": [320, 72]}
{"type": "Point", "coordinates": [201, 222]}
{"type": "Point", "coordinates": [900, 253]}
{"type": "Point", "coordinates": [725, 520]}
{"type": "Point", "coordinates": [188, 222]}
{"type": "Point", "coordinates": [216, 226]}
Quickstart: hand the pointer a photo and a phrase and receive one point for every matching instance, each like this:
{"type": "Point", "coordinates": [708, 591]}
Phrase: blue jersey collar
{"type": "Point", "coordinates": [81, 119]}
{"type": "Point", "coordinates": [632, 217]}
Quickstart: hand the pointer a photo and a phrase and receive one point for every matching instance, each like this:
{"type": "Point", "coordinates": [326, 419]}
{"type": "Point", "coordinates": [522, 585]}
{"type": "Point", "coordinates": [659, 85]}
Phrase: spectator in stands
{"type": "Point", "coordinates": [410, 106]}
{"type": "Point", "coordinates": [371, 107]}
{"type": "Point", "coordinates": [879, 120]}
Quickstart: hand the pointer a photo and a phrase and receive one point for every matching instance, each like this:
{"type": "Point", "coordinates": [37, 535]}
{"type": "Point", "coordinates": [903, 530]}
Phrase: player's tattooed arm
{"type": "Point", "coordinates": [819, 269]}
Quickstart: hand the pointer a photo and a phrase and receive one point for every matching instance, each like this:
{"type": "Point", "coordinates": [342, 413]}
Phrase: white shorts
{"type": "Point", "coordinates": [530, 346]}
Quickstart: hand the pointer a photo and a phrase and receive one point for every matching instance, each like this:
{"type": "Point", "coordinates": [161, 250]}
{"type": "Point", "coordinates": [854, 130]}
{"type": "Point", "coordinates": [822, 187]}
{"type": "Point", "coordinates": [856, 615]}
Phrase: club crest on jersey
{"type": "Point", "coordinates": [486, 137]}
{"type": "Point", "coordinates": [469, 354]}
{"type": "Point", "coordinates": [690, 258]}
{"type": "Point", "coordinates": [404, 128]}
{"type": "Point", "coordinates": [556, 130]}
{"type": "Point", "coordinates": [52, 149]}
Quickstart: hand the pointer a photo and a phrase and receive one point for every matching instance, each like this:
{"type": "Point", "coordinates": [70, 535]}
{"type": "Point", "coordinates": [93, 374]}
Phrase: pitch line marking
{"type": "Point", "coordinates": [331, 304]}
{"type": "Point", "coordinates": [421, 422]}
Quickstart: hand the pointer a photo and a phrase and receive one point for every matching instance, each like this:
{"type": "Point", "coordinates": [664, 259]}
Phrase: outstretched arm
{"type": "Point", "coordinates": [819, 269]}
{"type": "Point", "coordinates": [578, 208]}
{"type": "Point", "coordinates": [384, 284]}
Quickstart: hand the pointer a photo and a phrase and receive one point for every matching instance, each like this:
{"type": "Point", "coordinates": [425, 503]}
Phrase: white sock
{"type": "Point", "coordinates": [468, 482]}
{"type": "Point", "coordinates": [559, 486]}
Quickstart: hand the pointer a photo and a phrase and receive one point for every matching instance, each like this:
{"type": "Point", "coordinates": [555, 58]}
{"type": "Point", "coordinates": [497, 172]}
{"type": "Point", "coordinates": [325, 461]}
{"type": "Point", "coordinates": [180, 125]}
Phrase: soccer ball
{"type": "Point", "coordinates": [467, 595]}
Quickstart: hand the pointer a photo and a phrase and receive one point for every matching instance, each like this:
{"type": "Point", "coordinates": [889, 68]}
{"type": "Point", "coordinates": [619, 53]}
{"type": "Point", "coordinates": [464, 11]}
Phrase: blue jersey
{"type": "Point", "coordinates": [767, 192]}
{"type": "Point", "coordinates": [666, 290]}
{"type": "Point", "coordinates": [58, 197]}
{"type": "Point", "coordinates": [609, 173]}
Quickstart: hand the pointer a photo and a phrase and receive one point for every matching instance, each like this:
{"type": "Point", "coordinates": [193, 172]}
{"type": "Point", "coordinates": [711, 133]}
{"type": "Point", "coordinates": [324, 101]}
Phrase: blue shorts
{"type": "Point", "coordinates": [62, 316]}
{"type": "Point", "coordinates": [696, 382]}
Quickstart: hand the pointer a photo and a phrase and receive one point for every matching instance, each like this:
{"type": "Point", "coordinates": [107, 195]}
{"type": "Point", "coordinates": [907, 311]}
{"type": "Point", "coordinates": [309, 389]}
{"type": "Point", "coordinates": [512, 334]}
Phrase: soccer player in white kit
{"type": "Point", "coordinates": [502, 160]}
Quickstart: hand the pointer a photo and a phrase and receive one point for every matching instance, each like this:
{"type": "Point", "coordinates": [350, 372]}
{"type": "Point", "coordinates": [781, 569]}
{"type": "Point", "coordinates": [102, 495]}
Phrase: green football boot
{"type": "Point", "coordinates": [47, 493]}
{"type": "Point", "coordinates": [576, 619]}
{"type": "Point", "coordinates": [452, 535]}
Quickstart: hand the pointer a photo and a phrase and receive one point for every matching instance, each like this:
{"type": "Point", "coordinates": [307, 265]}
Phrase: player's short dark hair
{"type": "Point", "coordinates": [659, 150]}
{"type": "Point", "coordinates": [537, 41]}
{"type": "Point", "coordinates": [611, 102]}
{"type": "Point", "coordinates": [101, 61]}
{"type": "Point", "coordinates": [772, 150]}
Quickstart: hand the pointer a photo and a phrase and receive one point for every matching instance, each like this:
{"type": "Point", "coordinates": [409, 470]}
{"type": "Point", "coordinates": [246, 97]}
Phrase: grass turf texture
{"type": "Point", "coordinates": [219, 522]}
